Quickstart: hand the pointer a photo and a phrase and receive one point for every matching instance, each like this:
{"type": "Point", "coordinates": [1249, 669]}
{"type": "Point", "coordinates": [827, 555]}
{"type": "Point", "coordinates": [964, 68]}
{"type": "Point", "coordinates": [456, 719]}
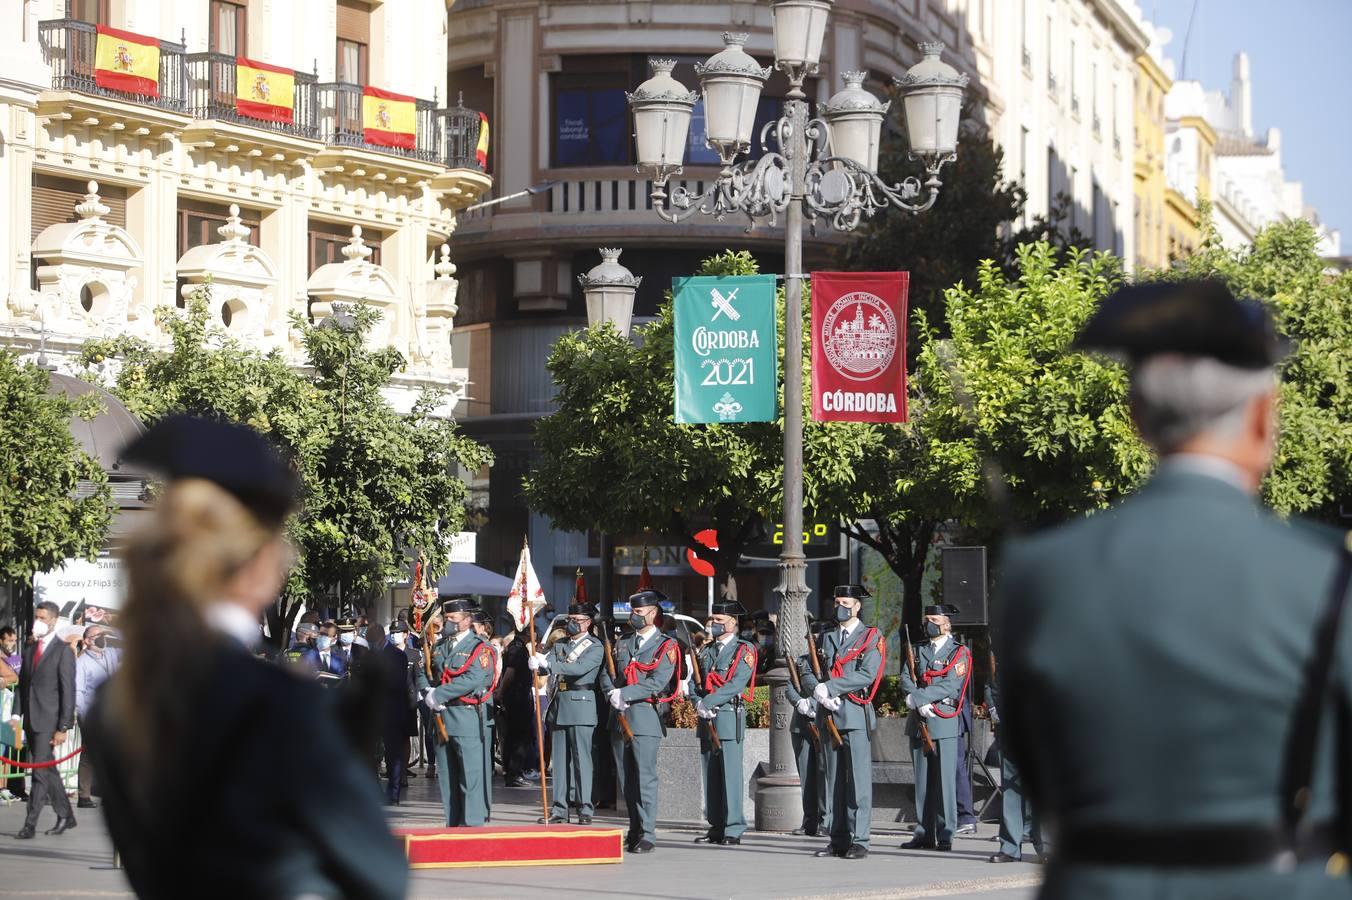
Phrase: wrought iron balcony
{"type": "Point", "coordinates": [458, 133]}
{"type": "Point", "coordinates": [212, 94]}
{"type": "Point", "coordinates": [69, 46]}
{"type": "Point", "coordinates": [339, 109]}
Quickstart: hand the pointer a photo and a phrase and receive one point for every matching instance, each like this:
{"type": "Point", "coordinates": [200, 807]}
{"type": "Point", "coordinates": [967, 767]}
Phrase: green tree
{"type": "Point", "coordinates": [54, 498]}
{"type": "Point", "coordinates": [376, 482]}
{"type": "Point", "coordinates": [1312, 471]}
{"type": "Point", "coordinates": [613, 458]}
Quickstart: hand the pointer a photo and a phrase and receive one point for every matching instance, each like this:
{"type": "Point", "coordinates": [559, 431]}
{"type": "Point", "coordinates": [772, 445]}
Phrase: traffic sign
{"type": "Point", "coordinates": [708, 538]}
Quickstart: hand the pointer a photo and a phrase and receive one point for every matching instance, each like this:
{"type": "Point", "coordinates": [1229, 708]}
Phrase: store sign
{"type": "Point", "coordinates": [101, 583]}
{"type": "Point", "coordinates": [463, 546]}
{"type": "Point", "coordinates": [725, 349]}
{"type": "Point", "coordinates": [859, 346]}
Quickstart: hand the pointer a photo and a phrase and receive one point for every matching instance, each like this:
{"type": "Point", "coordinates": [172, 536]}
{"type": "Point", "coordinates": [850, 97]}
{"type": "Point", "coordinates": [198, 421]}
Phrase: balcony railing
{"type": "Point", "coordinates": [69, 47]}
{"type": "Point", "coordinates": [458, 134]}
{"type": "Point", "coordinates": [339, 108]}
{"type": "Point", "coordinates": [212, 95]}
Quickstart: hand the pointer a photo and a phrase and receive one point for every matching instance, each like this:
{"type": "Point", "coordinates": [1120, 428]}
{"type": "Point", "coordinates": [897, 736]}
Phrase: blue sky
{"type": "Point", "coordinates": [1301, 73]}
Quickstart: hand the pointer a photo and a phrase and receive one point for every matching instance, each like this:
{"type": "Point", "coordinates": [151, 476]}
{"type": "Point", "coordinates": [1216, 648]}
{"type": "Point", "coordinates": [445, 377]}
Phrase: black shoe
{"type": "Point", "coordinates": [731, 842]}
{"type": "Point", "coordinates": [828, 850]}
{"type": "Point", "coordinates": [1002, 858]}
{"type": "Point", "coordinates": [584, 820]}
{"type": "Point", "coordinates": [804, 832]}
{"type": "Point", "coordinates": [552, 820]}
{"type": "Point", "coordinates": [86, 803]}
{"type": "Point", "coordinates": [26, 833]}
{"type": "Point", "coordinates": [944, 846]}
{"type": "Point", "coordinates": [63, 824]}
{"type": "Point", "coordinates": [709, 839]}
{"type": "Point", "coordinates": [407, 775]}
{"type": "Point", "coordinates": [516, 782]}
{"type": "Point", "coordinates": [642, 847]}
{"type": "Point", "coordinates": [918, 844]}
{"type": "Point", "coordinates": [855, 852]}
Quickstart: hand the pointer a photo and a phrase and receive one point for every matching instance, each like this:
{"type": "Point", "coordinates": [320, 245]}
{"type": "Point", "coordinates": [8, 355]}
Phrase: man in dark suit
{"type": "Point", "coordinates": [401, 707]}
{"type": "Point", "coordinates": [46, 701]}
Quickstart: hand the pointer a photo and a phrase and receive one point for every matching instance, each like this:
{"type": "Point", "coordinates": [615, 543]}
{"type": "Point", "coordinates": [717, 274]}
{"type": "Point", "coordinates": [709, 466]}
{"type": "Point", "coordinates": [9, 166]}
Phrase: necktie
{"type": "Point", "coordinates": [37, 655]}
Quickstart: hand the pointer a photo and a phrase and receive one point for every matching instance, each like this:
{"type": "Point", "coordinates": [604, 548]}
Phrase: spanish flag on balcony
{"type": "Point", "coordinates": [481, 151]}
{"type": "Point", "coordinates": [389, 119]}
{"type": "Point", "coordinates": [127, 62]}
{"type": "Point", "coordinates": [263, 91]}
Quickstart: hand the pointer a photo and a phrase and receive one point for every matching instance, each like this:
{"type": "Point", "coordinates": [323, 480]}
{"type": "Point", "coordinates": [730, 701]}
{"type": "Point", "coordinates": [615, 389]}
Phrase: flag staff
{"type": "Point", "coordinates": [534, 691]}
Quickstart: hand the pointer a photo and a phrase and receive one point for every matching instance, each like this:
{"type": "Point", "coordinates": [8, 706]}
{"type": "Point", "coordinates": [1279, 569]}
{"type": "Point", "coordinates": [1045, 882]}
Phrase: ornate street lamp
{"type": "Point", "coordinates": [813, 168]}
{"type": "Point", "coordinates": [609, 288]}
{"type": "Point", "coordinates": [662, 107]}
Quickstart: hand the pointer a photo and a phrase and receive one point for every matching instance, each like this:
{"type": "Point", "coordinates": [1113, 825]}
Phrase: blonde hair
{"type": "Point", "coordinates": [197, 539]}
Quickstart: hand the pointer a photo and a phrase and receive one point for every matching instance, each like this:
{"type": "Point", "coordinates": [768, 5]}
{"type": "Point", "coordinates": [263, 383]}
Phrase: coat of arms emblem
{"type": "Point", "coordinates": [859, 336]}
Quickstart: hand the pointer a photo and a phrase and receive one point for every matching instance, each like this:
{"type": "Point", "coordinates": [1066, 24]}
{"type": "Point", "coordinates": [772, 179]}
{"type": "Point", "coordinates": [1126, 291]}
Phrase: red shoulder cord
{"type": "Point", "coordinates": [838, 668]}
{"type": "Point", "coordinates": [448, 674]}
{"type": "Point", "coordinates": [631, 672]}
{"type": "Point", "coordinates": [713, 681]}
{"type": "Point", "coordinates": [939, 673]}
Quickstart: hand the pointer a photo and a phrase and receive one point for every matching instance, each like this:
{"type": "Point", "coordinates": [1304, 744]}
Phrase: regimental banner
{"type": "Point", "coordinates": [126, 62]}
{"type": "Point", "coordinates": [859, 346]}
{"type": "Point", "coordinates": [726, 361]}
{"type": "Point", "coordinates": [389, 119]}
{"type": "Point", "coordinates": [264, 91]}
{"type": "Point", "coordinates": [481, 151]}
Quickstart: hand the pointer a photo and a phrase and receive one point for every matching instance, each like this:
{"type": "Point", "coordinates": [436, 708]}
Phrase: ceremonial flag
{"type": "Point", "coordinates": [859, 346]}
{"type": "Point", "coordinates": [726, 364]}
{"type": "Point", "coordinates": [527, 596]}
{"type": "Point", "coordinates": [126, 62]}
{"type": "Point", "coordinates": [264, 91]}
{"type": "Point", "coordinates": [389, 119]}
{"type": "Point", "coordinates": [481, 151]}
{"type": "Point", "coordinates": [645, 578]}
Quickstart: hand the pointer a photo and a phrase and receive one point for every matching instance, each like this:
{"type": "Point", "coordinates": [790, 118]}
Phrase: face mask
{"type": "Point", "coordinates": [100, 642]}
{"type": "Point", "coordinates": [347, 639]}
{"type": "Point", "coordinates": [323, 642]}
{"type": "Point", "coordinates": [40, 628]}
{"type": "Point", "coordinates": [637, 622]}
{"type": "Point", "coordinates": [397, 639]}
{"type": "Point", "coordinates": [932, 631]}
{"type": "Point", "coordinates": [717, 630]}
{"type": "Point", "coordinates": [573, 628]}
{"type": "Point", "coordinates": [844, 614]}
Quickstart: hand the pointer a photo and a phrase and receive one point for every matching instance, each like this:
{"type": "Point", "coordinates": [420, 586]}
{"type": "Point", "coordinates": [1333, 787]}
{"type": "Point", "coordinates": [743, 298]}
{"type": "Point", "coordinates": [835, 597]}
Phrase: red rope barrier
{"type": "Point", "coordinates": [42, 765]}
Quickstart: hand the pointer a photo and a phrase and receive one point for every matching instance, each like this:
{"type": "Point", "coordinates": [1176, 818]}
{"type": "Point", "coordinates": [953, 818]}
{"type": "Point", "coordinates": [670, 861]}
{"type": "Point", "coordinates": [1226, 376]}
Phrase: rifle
{"type": "Point", "coordinates": [926, 742]}
{"type": "Point", "coordinates": [815, 660]}
{"type": "Point", "coordinates": [710, 728]}
{"type": "Point", "coordinates": [990, 652]}
{"type": "Point", "coordinates": [442, 736]}
{"type": "Point", "coordinates": [797, 681]}
{"type": "Point", "coordinates": [625, 730]}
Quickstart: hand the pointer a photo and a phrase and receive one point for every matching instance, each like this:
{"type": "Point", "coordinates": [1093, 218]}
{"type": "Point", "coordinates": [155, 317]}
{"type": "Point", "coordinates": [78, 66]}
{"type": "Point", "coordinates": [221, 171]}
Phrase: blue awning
{"type": "Point", "coordinates": [467, 578]}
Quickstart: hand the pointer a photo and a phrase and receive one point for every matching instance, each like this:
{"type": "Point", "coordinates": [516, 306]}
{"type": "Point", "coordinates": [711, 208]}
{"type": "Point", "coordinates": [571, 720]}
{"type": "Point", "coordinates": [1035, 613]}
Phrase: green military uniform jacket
{"type": "Point", "coordinates": [461, 715]}
{"type": "Point", "coordinates": [649, 686]}
{"type": "Point", "coordinates": [950, 667]}
{"type": "Point", "coordinates": [796, 724]}
{"type": "Point", "coordinates": [864, 647]}
{"type": "Point", "coordinates": [574, 669]}
{"type": "Point", "coordinates": [716, 660]}
{"type": "Point", "coordinates": [1152, 658]}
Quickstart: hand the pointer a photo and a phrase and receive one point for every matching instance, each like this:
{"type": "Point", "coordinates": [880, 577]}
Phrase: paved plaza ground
{"type": "Point", "coordinates": [77, 864]}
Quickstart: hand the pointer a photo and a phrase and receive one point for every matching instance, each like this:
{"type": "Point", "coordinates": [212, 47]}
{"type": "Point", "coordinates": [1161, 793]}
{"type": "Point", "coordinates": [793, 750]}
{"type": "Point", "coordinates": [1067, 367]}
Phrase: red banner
{"type": "Point", "coordinates": [859, 346]}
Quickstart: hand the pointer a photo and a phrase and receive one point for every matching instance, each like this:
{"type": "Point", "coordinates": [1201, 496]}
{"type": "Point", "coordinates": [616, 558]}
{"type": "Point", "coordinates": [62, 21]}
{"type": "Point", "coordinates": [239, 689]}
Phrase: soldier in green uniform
{"type": "Point", "coordinates": [728, 664]}
{"type": "Point", "coordinates": [809, 755]}
{"type": "Point", "coordinates": [462, 670]}
{"type": "Point", "coordinates": [852, 656]}
{"type": "Point", "coordinates": [649, 666]}
{"type": "Point", "coordinates": [944, 667]}
{"type": "Point", "coordinates": [573, 665]}
{"type": "Point", "coordinates": [1172, 669]}
{"type": "Point", "coordinates": [483, 627]}
{"type": "Point", "coordinates": [1018, 821]}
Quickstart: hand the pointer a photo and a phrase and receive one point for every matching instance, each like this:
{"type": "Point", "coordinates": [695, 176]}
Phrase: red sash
{"type": "Point", "coordinates": [939, 673]}
{"type": "Point", "coordinates": [713, 681]}
{"type": "Point", "coordinates": [448, 674]}
{"type": "Point", "coordinates": [838, 668]}
{"type": "Point", "coordinates": [631, 671]}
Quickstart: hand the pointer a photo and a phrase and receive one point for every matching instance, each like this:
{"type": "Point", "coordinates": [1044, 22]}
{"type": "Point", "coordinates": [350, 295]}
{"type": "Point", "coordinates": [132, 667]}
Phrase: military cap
{"type": "Point", "coordinates": [307, 628]}
{"type": "Point", "coordinates": [729, 608]}
{"type": "Point", "coordinates": [853, 591]}
{"type": "Point", "coordinates": [941, 609]}
{"type": "Point", "coordinates": [346, 623]}
{"type": "Point", "coordinates": [460, 604]}
{"type": "Point", "coordinates": [235, 457]}
{"type": "Point", "coordinates": [1198, 317]}
{"type": "Point", "coordinates": [583, 608]}
{"type": "Point", "coordinates": [648, 597]}
{"type": "Point", "coordinates": [482, 617]}
{"type": "Point", "coordinates": [398, 626]}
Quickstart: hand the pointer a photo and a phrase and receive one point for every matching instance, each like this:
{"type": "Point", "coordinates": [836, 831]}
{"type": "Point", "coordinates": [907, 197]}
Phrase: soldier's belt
{"type": "Point", "coordinates": [574, 686]}
{"type": "Point", "coordinates": [1203, 846]}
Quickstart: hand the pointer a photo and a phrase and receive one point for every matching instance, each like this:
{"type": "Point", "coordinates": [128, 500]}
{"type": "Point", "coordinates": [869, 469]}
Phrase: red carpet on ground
{"type": "Point", "coordinates": [511, 845]}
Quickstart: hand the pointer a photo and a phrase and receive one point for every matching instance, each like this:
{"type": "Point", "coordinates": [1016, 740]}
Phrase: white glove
{"type": "Point", "coordinates": [700, 710]}
{"type": "Point", "coordinates": [832, 703]}
{"type": "Point", "coordinates": [431, 702]}
{"type": "Point", "coordinates": [537, 662]}
{"type": "Point", "coordinates": [910, 701]}
{"type": "Point", "coordinates": [805, 707]}
{"type": "Point", "coordinates": [995, 716]}
{"type": "Point", "coordinates": [927, 710]}
{"type": "Point", "coordinates": [616, 700]}
{"type": "Point", "coordinates": [821, 693]}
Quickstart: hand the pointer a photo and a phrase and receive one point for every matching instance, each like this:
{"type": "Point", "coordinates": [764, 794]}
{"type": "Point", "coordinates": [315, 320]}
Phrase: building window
{"type": "Point", "coordinates": [198, 222]}
{"type": "Point", "coordinates": [591, 121]}
{"type": "Point", "coordinates": [226, 28]}
{"type": "Point", "coordinates": [354, 41]}
{"type": "Point", "coordinates": [95, 12]}
{"type": "Point", "coordinates": [327, 240]}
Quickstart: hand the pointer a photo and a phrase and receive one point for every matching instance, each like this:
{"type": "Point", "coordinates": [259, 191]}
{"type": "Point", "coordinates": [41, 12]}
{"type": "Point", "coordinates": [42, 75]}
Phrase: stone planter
{"type": "Point", "coordinates": [680, 780]}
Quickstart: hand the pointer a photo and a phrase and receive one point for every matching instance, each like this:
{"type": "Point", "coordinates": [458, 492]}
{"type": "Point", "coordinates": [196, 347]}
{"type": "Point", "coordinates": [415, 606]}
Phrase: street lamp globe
{"type": "Point", "coordinates": [662, 107]}
{"type": "Point", "coordinates": [856, 120]}
{"type": "Point", "coordinates": [932, 97]}
{"type": "Point", "coordinates": [610, 288]}
{"type": "Point", "coordinates": [799, 26]}
{"type": "Point", "coordinates": [732, 82]}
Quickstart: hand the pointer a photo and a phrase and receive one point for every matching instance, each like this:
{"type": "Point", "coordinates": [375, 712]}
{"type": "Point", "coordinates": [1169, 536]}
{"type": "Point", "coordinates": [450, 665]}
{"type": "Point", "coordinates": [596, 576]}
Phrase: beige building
{"type": "Point", "coordinates": [296, 155]}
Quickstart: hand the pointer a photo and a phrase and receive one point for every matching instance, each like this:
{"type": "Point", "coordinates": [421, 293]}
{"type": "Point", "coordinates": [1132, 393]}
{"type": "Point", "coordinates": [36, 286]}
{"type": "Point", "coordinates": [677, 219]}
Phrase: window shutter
{"type": "Point", "coordinates": [55, 199]}
{"type": "Point", "coordinates": [354, 21]}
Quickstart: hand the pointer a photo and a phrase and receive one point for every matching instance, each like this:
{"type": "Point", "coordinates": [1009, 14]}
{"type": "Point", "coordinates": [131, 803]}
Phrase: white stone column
{"type": "Point", "coordinates": [517, 93]}
{"type": "Point", "coordinates": [16, 204]}
{"type": "Point", "coordinates": [152, 218]}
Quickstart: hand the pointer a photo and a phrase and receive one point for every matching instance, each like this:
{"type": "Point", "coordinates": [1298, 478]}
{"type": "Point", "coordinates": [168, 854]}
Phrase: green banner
{"type": "Point", "coordinates": [725, 349]}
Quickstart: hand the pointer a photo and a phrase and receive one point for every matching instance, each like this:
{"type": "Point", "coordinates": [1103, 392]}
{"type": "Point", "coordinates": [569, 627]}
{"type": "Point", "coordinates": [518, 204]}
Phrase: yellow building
{"type": "Point", "coordinates": [1190, 153]}
{"type": "Point", "coordinates": [1152, 84]}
